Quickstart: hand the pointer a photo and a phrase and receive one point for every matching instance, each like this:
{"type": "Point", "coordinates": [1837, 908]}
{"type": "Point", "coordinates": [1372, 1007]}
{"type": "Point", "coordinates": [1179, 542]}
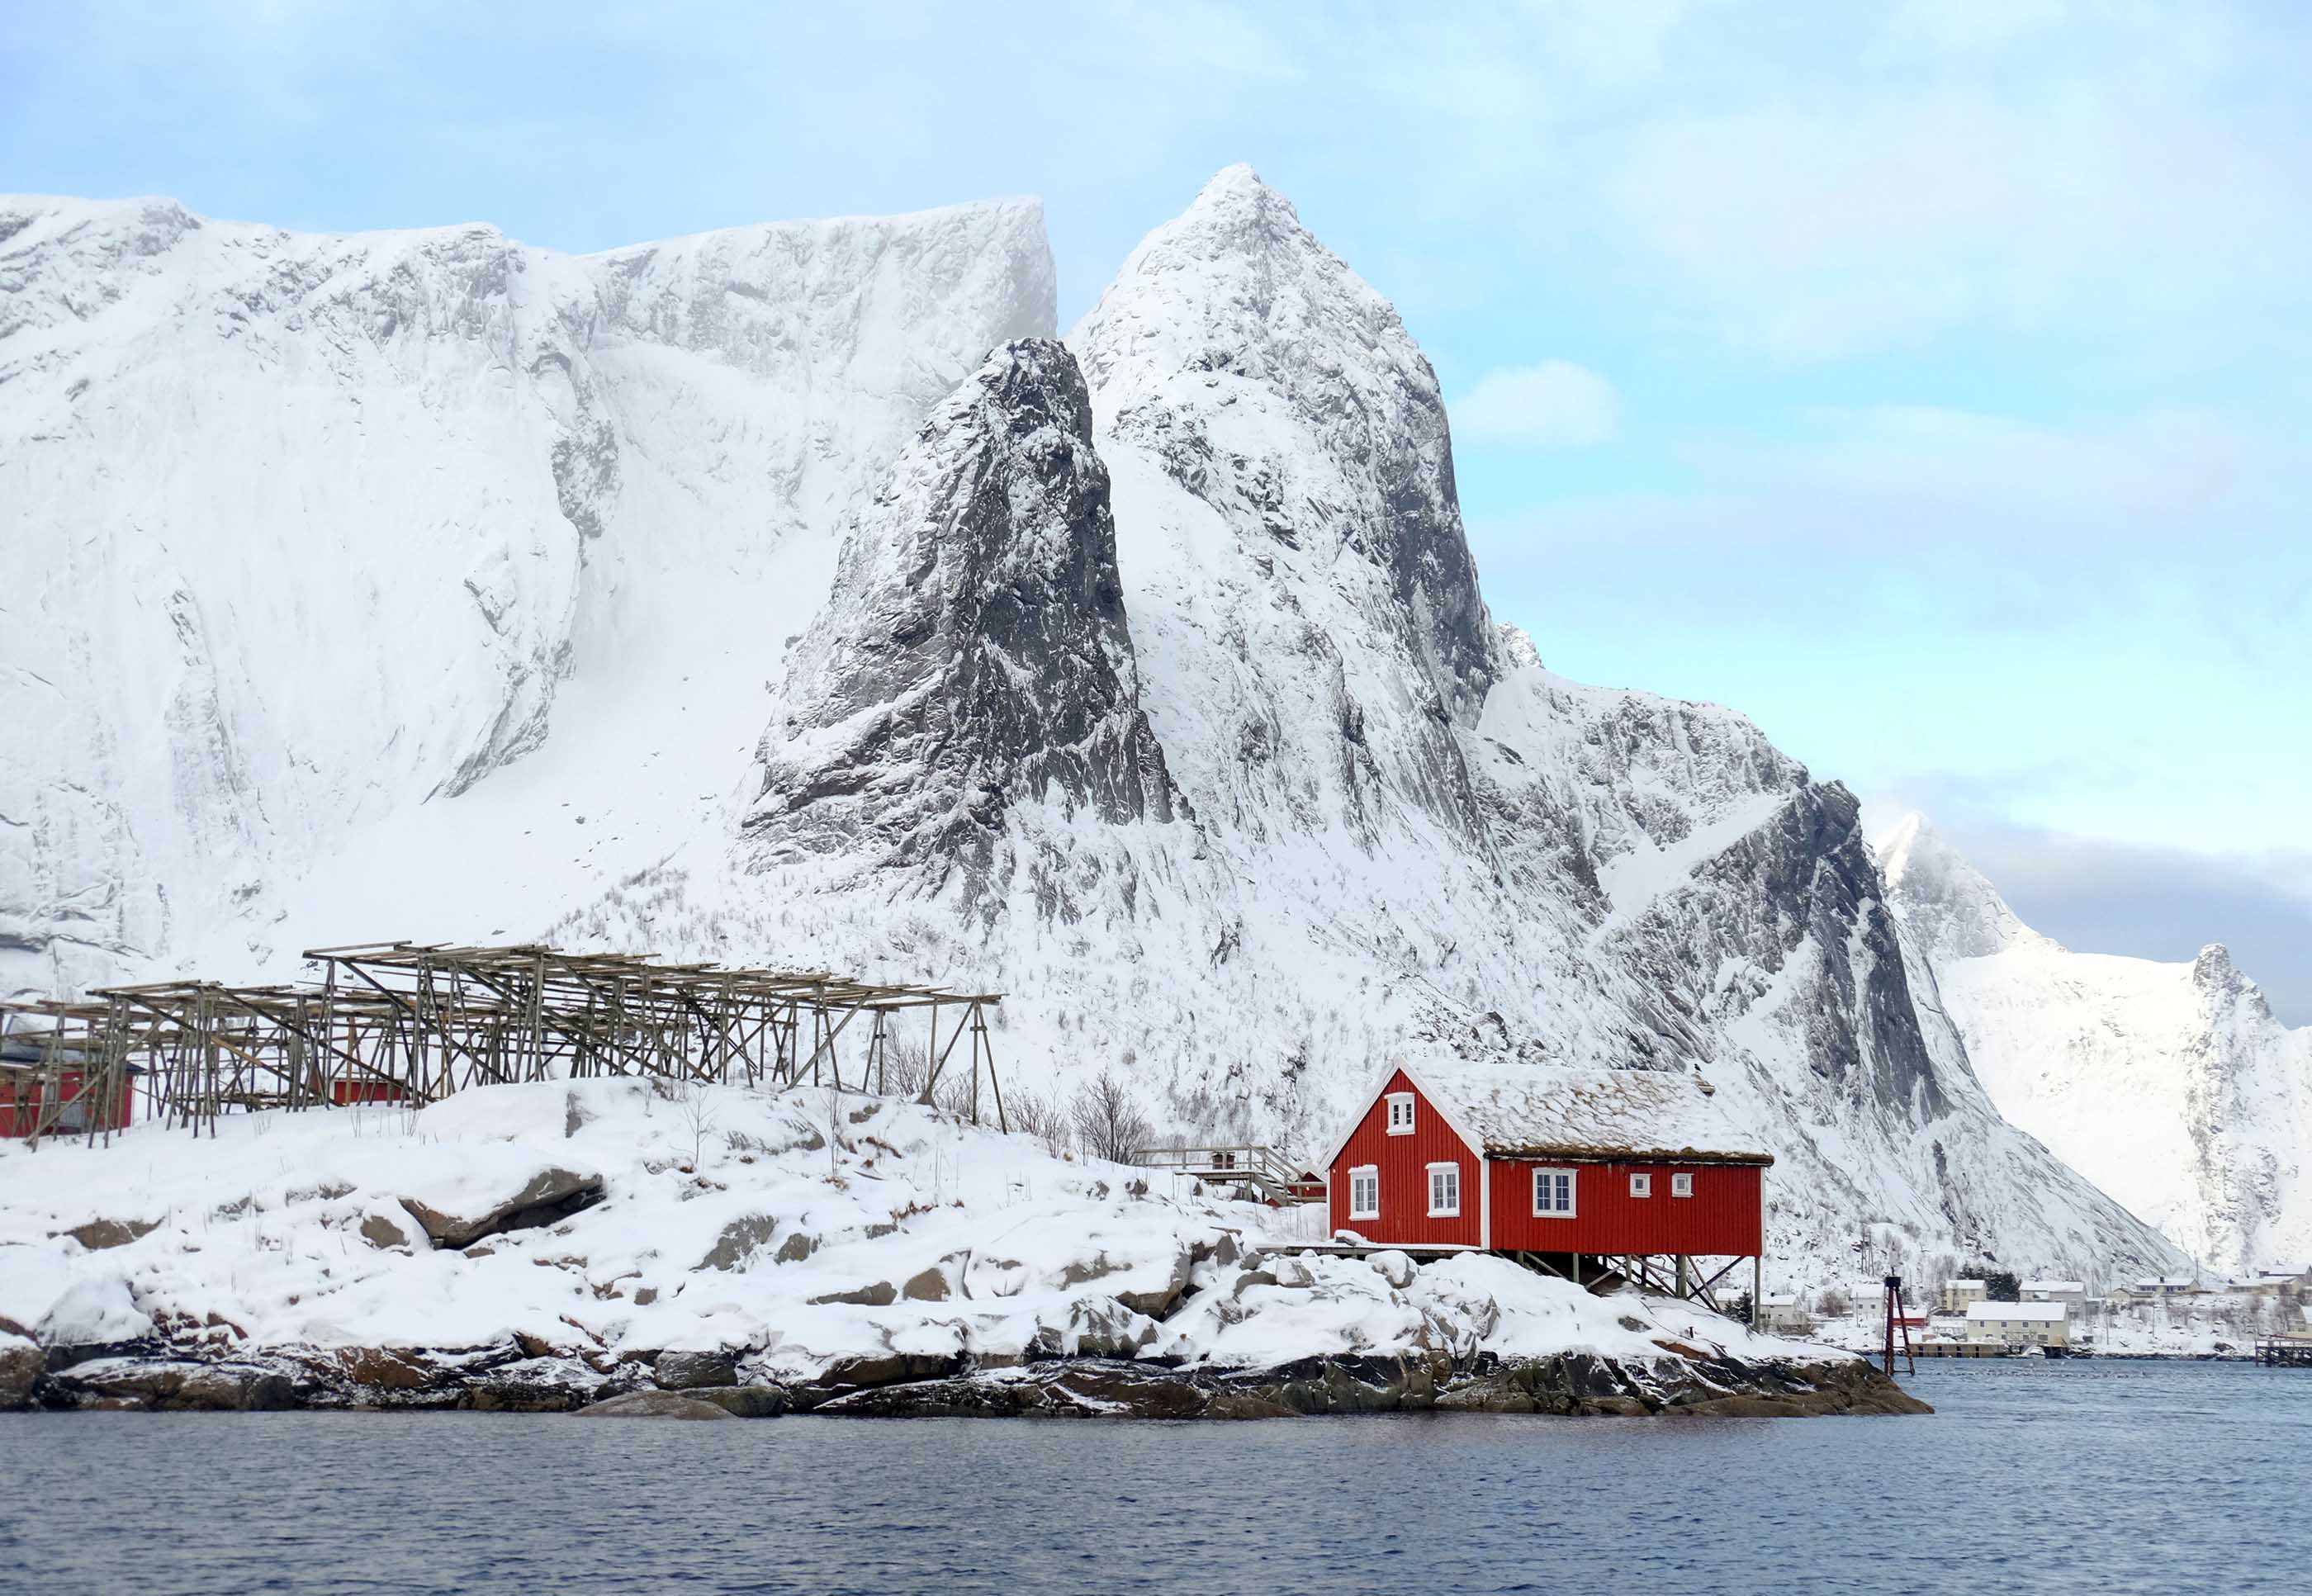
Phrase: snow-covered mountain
{"type": "Point", "coordinates": [308, 536]}
{"type": "Point", "coordinates": [2171, 1086]}
{"type": "Point", "coordinates": [1146, 677]}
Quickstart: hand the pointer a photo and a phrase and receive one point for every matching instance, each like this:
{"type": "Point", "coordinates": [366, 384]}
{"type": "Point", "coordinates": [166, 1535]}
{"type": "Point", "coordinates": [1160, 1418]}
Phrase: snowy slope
{"type": "Point", "coordinates": [1153, 684]}
{"type": "Point", "coordinates": [308, 535]}
{"type": "Point", "coordinates": [2172, 1086]}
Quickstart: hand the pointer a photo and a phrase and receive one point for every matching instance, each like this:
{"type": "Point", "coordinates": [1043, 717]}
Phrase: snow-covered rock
{"type": "Point", "coordinates": [2172, 1086]}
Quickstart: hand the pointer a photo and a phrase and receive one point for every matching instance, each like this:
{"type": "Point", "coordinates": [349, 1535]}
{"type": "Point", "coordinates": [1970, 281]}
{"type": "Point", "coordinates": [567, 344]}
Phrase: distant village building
{"type": "Point", "coordinates": [2019, 1324]}
{"type": "Point", "coordinates": [2073, 1292]}
{"type": "Point", "coordinates": [1958, 1293]}
{"type": "Point", "coordinates": [1588, 1172]}
{"type": "Point", "coordinates": [1780, 1314]}
{"type": "Point", "coordinates": [2273, 1282]}
{"type": "Point", "coordinates": [2155, 1289]}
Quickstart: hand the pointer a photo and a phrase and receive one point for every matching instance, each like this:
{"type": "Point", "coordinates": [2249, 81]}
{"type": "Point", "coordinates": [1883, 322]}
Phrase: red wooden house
{"type": "Point", "coordinates": [1601, 1175]}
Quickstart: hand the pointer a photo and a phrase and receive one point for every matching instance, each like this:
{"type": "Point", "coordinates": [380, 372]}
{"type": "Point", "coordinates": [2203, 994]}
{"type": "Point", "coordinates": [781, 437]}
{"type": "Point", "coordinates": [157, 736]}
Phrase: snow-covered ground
{"type": "Point", "coordinates": [794, 1232]}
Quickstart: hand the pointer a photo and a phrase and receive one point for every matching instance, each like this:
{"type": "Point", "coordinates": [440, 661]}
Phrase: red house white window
{"type": "Point", "coordinates": [1641, 1186]}
{"type": "Point", "coordinates": [1444, 1190]}
{"type": "Point", "coordinates": [1364, 1192]}
{"type": "Point", "coordinates": [1553, 1194]}
{"type": "Point", "coordinates": [1400, 1113]}
{"type": "Point", "coordinates": [1681, 1185]}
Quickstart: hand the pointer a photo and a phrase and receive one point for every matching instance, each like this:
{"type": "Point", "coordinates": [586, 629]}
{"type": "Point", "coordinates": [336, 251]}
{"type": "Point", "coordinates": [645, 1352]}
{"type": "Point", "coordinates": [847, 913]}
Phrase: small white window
{"type": "Point", "coordinates": [1400, 1113]}
{"type": "Point", "coordinates": [1364, 1192]}
{"type": "Point", "coordinates": [1681, 1185]}
{"type": "Point", "coordinates": [1641, 1186]}
{"type": "Point", "coordinates": [1444, 1190]}
{"type": "Point", "coordinates": [1553, 1194]}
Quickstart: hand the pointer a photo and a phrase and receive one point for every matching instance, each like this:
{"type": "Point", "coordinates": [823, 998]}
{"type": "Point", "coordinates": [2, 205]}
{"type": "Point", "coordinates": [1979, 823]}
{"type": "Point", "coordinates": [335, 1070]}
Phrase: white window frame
{"type": "Point", "coordinates": [1400, 1125]}
{"type": "Point", "coordinates": [1681, 1184]}
{"type": "Point", "coordinates": [1360, 1173]}
{"type": "Point", "coordinates": [1641, 1186]}
{"type": "Point", "coordinates": [1573, 1192]}
{"type": "Point", "coordinates": [1436, 1169]}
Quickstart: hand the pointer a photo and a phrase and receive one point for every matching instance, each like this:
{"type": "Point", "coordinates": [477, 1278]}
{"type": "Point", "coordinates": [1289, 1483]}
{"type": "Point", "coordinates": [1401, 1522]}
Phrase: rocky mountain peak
{"type": "Point", "coordinates": [973, 662]}
{"type": "Point", "coordinates": [1301, 471]}
{"type": "Point", "coordinates": [1949, 908]}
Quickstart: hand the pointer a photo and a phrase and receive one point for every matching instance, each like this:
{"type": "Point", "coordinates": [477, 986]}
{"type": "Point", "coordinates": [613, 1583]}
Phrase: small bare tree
{"type": "Point", "coordinates": [1107, 1120]}
{"type": "Point", "coordinates": [699, 1119]}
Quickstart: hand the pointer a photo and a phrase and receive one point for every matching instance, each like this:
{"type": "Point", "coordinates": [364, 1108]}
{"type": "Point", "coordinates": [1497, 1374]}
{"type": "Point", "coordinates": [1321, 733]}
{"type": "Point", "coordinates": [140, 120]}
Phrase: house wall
{"type": "Point", "coordinates": [1723, 1216]}
{"type": "Point", "coordinates": [2040, 1333]}
{"type": "Point", "coordinates": [20, 1106]}
{"type": "Point", "coordinates": [1404, 1163]}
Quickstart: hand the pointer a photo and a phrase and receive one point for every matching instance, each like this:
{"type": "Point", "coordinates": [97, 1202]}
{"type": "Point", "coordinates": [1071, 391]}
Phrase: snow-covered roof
{"type": "Point", "coordinates": [2028, 1312]}
{"type": "Point", "coordinates": [2071, 1285]}
{"type": "Point", "coordinates": [1778, 1298]}
{"type": "Point", "coordinates": [1965, 1284]}
{"type": "Point", "coordinates": [1548, 1111]}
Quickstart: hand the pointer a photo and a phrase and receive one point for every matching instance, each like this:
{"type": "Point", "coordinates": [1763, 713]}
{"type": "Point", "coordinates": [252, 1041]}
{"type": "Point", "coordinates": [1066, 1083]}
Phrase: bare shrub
{"type": "Point", "coordinates": [1108, 1120]}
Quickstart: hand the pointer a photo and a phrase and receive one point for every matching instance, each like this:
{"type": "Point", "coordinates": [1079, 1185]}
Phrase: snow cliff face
{"type": "Point", "coordinates": [976, 655]}
{"type": "Point", "coordinates": [2172, 1086]}
{"type": "Point", "coordinates": [307, 536]}
{"type": "Point", "coordinates": [1147, 680]}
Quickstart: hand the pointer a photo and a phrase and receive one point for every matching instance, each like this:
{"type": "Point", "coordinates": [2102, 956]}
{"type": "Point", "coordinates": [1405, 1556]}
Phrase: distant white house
{"type": "Point", "coordinates": [1958, 1293]}
{"type": "Point", "coordinates": [2073, 1292]}
{"type": "Point", "coordinates": [2270, 1282]}
{"type": "Point", "coordinates": [2020, 1324]}
{"type": "Point", "coordinates": [1778, 1313]}
{"type": "Point", "coordinates": [2156, 1289]}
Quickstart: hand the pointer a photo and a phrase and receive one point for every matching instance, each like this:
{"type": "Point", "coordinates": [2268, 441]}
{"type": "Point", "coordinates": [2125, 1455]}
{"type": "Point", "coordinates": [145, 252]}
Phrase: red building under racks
{"type": "Point", "coordinates": [1604, 1176]}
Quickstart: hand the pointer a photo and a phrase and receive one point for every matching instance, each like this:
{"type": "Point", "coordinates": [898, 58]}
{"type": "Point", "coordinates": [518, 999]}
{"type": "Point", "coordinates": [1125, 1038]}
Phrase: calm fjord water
{"type": "Point", "coordinates": [2103, 1477]}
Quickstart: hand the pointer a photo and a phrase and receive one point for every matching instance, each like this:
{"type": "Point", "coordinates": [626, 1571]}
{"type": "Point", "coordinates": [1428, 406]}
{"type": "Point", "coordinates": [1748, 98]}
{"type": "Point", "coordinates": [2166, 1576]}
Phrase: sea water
{"type": "Point", "coordinates": [2101, 1476]}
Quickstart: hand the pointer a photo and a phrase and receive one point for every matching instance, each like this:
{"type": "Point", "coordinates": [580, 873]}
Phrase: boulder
{"type": "Point", "coordinates": [547, 1196]}
{"type": "Point", "coordinates": [1395, 1267]}
{"type": "Point", "coordinates": [738, 1241]}
{"type": "Point", "coordinates": [878, 1293]}
{"type": "Point", "coordinates": [653, 1405]}
{"type": "Point", "coordinates": [22, 1364]}
{"type": "Point", "coordinates": [685, 1370]}
{"type": "Point", "coordinates": [1159, 1301]}
{"type": "Point", "coordinates": [98, 1234]}
{"type": "Point", "coordinates": [745, 1401]}
{"type": "Point", "coordinates": [381, 1231]}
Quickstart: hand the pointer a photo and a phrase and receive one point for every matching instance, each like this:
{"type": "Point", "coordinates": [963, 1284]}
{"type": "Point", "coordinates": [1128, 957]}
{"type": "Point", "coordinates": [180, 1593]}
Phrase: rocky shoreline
{"type": "Point", "coordinates": [513, 1379]}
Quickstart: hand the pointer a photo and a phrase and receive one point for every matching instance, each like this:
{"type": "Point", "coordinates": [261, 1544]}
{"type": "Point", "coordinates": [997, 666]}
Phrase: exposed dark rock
{"type": "Point", "coordinates": [98, 1234]}
{"type": "Point", "coordinates": [975, 653]}
{"type": "Point", "coordinates": [22, 1364]}
{"type": "Point", "coordinates": [1573, 1385]}
{"type": "Point", "coordinates": [738, 1241]}
{"type": "Point", "coordinates": [550, 1195]}
{"type": "Point", "coordinates": [378, 1231]}
{"type": "Point", "coordinates": [878, 1293]}
{"type": "Point", "coordinates": [745, 1401]}
{"type": "Point", "coordinates": [653, 1405]}
{"type": "Point", "coordinates": [170, 1386]}
{"type": "Point", "coordinates": [682, 1370]}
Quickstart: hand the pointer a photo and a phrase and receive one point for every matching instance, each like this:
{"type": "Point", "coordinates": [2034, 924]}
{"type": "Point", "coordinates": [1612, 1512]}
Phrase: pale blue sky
{"type": "Point", "coordinates": [1930, 381]}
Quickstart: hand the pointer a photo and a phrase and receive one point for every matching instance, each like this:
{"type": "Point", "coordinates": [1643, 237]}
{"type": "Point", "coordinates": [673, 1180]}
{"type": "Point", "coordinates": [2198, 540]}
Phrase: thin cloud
{"type": "Point", "coordinates": [1553, 403]}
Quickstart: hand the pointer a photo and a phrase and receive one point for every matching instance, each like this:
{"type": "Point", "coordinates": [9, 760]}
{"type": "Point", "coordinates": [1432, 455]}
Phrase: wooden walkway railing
{"type": "Point", "coordinates": [1272, 1176]}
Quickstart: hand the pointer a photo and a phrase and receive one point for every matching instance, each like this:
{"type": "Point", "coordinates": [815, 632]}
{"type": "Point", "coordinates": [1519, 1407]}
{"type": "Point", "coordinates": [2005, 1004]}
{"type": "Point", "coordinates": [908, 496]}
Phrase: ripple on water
{"type": "Point", "coordinates": [2059, 1477]}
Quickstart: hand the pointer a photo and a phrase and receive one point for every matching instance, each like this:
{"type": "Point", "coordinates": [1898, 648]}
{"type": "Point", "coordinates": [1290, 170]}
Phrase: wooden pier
{"type": "Point", "coordinates": [2285, 1351]}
